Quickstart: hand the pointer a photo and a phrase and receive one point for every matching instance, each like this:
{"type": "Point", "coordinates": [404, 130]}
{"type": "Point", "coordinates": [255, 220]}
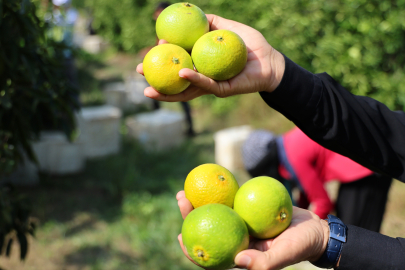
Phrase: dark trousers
{"type": "Point", "coordinates": [362, 203]}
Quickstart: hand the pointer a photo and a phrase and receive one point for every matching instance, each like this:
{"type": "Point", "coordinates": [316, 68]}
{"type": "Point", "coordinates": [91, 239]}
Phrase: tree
{"type": "Point", "coordinates": [35, 95]}
{"type": "Point", "coordinates": [359, 43]}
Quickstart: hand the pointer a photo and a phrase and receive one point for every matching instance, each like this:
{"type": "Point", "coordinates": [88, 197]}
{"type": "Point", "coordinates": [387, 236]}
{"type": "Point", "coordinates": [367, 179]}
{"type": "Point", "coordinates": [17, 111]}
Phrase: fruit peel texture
{"type": "Point", "coordinates": [217, 230]}
{"type": "Point", "coordinates": [261, 202]}
{"type": "Point", "coordinates": [162, 72]}
{"type": "Point", "coordinates": [210, 183]}
{"type": "Point", "coordinates": [219, 59]}
{"type": "Point", "coordinates": [182, 25]}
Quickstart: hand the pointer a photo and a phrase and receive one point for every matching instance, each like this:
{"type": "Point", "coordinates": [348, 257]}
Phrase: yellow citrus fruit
{"type": "Point", "coordinates": [265, 206]}
{"type": "Point", "coordinates": [219, 54]}
{"type": "Point", "coordinates": [182, 24]}
{"type": "Point", "coordinates": [161, 67]}
{"type": "Point", "coordinates": [213, 235]}
{"type": "Point", "coordinates": [210, 183]}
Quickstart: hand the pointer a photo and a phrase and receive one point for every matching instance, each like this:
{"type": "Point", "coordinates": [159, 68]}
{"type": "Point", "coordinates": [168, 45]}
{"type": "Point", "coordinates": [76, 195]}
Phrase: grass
{"type": "Point", "coordinates": [121, 213]}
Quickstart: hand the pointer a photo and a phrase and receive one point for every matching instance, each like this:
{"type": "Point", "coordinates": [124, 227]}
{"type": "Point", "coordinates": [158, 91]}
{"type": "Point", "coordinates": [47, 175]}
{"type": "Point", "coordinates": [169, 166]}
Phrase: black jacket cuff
{"type": "Point", "coordinates": [369, 250]}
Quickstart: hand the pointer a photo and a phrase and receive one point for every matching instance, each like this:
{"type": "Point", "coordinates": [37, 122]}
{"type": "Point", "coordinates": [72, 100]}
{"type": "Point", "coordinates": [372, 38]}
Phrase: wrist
{"type": "Point", "coordinates": [337, 237]}
{"type": "Point", "coordinates": [322, 242]}
{"type": "Point", "coordinates": [326, 233]}
{"type": "Point", "coordinates": [277, 67]}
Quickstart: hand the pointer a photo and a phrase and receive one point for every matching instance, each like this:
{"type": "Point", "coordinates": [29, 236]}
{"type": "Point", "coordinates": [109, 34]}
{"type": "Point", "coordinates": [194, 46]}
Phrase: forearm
{"type": "Point", "coordinates": [353, 126]}
{"type": "Point", "coordinates": [372, 251]}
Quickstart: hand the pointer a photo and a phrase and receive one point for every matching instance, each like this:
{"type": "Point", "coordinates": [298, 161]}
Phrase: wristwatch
{"type": "Point", "coordinates": [337, 236]}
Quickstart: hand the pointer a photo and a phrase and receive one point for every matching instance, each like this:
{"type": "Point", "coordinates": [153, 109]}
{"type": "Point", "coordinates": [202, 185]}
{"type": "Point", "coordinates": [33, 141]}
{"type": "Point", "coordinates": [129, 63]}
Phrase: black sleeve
{"type": "Point", "coordinates": [358, 127]}
{"type": "Point", "coordinates": [364, 250]}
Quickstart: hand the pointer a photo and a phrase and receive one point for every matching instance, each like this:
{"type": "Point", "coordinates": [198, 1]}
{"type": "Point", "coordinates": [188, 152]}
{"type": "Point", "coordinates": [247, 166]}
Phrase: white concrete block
{"type": "Point", "coordinates": [116, 95]}
{"type": "Point", "coordinates": [94, 44]}
{"type": "Point", "coordinates": [56, 155]}
{"type": "Point", "coordinates": [135, 86]}
{"type": "Point", "coordinates": [78, 39]}
{"type": "Point", "coordinates": [228, 144]}
{"type": "Point", "coordinates": [158, 130]}
{"type": "Point", "coordinates": [100, 130]}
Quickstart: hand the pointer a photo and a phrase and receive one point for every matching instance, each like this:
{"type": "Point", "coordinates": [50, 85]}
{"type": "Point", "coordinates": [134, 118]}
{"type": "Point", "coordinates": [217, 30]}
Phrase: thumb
{"type": "Point", "coordinates": [255, 259]}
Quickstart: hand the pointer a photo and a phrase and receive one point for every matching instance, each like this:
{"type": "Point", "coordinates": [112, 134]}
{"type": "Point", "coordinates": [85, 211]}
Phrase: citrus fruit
{"type": "Point", "coordinates": [265, 206]}
{"type": "Point", "coordinates": [182, 24]}
{"type": "Point", "coordinates": [210, 183]}
{"type": "Point", "coordinates": [161, 67]}
{"type": "Point", "coordinates": [219, 54]}
{"type": "Point", "coordinates": [213, 235]}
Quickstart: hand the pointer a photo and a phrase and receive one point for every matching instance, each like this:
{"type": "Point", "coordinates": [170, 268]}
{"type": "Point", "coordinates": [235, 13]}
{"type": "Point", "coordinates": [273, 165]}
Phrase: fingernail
{"type": "Point", "coordinates": [243, 260]}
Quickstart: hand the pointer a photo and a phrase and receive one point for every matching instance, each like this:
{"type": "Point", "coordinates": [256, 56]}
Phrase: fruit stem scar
{"type": "Point", "coordinates": [176, 60]}
{"type": "Point", "coordinates": [187, 5]}
{"type": "Point", "coordinates": [219, 38]}
{"type": "Point", "coordinates": [200, 253]}
{"type": "Point", "coordinates": [283, 216]}
{"type": "Point", "coordinates": [221, 177]}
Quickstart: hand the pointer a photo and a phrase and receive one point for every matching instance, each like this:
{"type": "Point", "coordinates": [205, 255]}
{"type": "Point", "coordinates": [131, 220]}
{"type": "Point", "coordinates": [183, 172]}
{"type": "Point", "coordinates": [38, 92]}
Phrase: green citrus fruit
{"type": "Point", "coordinates": [210, 183]}
{"type": "Point", "coordinates": [182, 24]}
{"type": "Point", "coordinates": [213, 235]}
{"type": "Point", "coordinates": [220, 55]}
{"type": "Point", "coordinates": [161, 67]}
{"type": "Point", "coordinates": [265, 205]}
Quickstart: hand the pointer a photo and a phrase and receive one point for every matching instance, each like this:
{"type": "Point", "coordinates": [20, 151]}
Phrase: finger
{"type": "Point", "coordinates": [185, 207]}
{"type": "Point", "coordinates": [200, 85]}
{"type": "Point", "coordinates": [180, 195]}
{"type": "Point", "coordinates": [184, 249]}
{"type": "Point", "coordinates": [270, 260]}
{"type": "Point", "coordinates": [162, 41]}
{"type": "Point", "coordinates": [216, 22]}
{"type": "Point", "coordinates": [261, 245]}
{"type": "Point", "coordinates": [203, 82]}
{"type": "Point", "coordinates": [139, 68]}
{"type": "Point", "coordinates": [190, 93]}
{"type": "Point", "coordinates": [250, 259]}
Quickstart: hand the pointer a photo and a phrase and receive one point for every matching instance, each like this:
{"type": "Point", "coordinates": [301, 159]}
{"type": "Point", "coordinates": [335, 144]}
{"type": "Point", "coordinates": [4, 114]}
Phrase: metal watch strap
{"type": "Point", "coordinates": [337, 236]}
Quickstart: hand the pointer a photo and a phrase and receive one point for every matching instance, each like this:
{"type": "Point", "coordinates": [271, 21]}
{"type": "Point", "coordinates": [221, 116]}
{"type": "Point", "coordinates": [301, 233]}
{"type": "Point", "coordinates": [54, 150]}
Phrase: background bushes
{"type": "Point", "coordinates": [35, 94]}
{"type": "Point", "coordinates": [360, 43]}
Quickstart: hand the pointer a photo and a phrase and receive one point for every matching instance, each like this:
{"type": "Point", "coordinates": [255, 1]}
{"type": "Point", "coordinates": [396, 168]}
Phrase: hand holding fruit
{"type": "Point", "coordinates": [305, 239]}
{"type": "Point", "coordinates": [263, 71]}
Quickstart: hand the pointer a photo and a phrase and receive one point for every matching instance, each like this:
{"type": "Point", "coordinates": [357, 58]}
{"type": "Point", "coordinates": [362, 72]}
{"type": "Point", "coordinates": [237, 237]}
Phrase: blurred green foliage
{"type": "Point", "coordinates": [34, 92]}
{"type": "Point", "coordinates": [128, 25]}
{"type": "Point", "coordinates": [360, 43]}
{"type": "Point", "coordinates": [15, 221]}
{"type": "Point", "coordinates": [34, 96]}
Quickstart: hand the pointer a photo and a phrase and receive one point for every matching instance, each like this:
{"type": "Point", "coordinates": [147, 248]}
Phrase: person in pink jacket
{"type": "Point", "coordinates": [298, 161]}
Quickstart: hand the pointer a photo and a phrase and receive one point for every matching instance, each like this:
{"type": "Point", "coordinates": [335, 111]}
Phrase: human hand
{"type": "Point", "coordinates": [263, 71]}
{"type": "Point", "coordinates": [304, 240]}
